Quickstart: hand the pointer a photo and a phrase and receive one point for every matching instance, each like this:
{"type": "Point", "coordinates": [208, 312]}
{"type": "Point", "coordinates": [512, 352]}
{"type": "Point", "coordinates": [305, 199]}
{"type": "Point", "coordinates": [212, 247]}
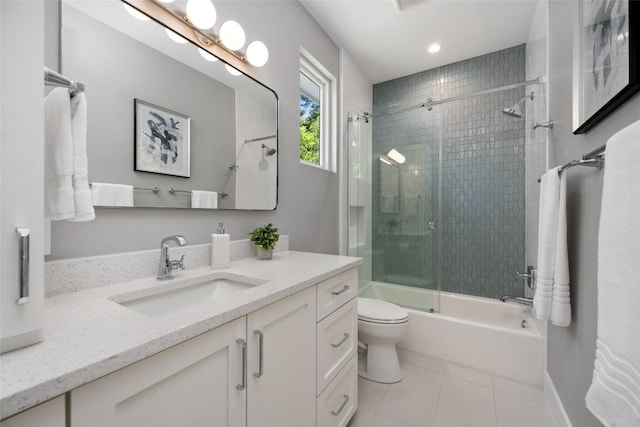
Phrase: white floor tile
{"type": "Point", "coordinates": [421, 360]}
{"type": "Point", "coordinates": [362, 418]}
{"type": "Point", "coordinates": [371, 393]}
{"type": "Point", "coordinates": [413, 401]}
{"type": "Point", "coordinates": [382, 421]}
{"type": "Point", "coordinates": [468, 374]}
{"type": "Point", "coordinates": [514, 411]}
{"type": "Point", "coordinates": [517, 388]}
{"type": "Point", "coordinates": [463, 404]}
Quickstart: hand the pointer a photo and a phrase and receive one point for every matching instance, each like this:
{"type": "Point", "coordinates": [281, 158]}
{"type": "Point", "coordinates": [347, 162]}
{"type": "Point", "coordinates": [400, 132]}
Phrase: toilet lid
{"type": "Point", "coordinates": [378, 311]}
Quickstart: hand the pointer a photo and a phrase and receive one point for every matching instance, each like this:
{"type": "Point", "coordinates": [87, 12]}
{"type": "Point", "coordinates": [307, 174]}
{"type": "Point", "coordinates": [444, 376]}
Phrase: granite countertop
{"type": "Point", "coordinates": [87, 335]}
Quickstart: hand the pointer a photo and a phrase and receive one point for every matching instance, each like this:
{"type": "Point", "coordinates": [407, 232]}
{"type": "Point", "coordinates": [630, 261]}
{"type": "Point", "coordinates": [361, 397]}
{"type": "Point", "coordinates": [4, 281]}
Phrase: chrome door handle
{"type": "Point", "coordinates": [243, 344]}
{"type": "Point", "coordinates": [346, 399]}
{"type": "Point", "coordinates": [23, 234]}
{"type": "Point", "coordinates": [341, 291]}
{"type": "Point", "coordinates": [260, 354]}
{"type": "Point", "coordinates": [344, 338]}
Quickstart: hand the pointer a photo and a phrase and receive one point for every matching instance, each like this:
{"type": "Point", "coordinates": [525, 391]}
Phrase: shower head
{"type": "Point", "coordinates": [268, 150]}
{"type": "Point", "coordinates": [516, 110]}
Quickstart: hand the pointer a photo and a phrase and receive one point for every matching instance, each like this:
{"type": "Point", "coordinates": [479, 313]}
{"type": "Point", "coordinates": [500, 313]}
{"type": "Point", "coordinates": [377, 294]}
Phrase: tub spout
{"type": "Point", "coordinates": [519, 300]}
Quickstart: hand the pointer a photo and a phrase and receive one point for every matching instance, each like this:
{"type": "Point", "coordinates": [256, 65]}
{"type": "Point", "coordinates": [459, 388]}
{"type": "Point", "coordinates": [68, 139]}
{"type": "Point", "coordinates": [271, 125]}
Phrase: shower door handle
{"type": "Point", "coordinates": [432, 225]}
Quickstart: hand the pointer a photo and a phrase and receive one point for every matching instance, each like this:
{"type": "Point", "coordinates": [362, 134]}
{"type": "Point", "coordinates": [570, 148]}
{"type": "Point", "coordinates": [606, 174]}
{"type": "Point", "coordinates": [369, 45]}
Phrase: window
{"type": "Point", "coordinates": [317, 114]}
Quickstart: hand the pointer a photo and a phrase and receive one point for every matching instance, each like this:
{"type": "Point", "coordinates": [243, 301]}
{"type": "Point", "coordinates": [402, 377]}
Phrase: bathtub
{"type": "Point", "coordinates": [482, 333]}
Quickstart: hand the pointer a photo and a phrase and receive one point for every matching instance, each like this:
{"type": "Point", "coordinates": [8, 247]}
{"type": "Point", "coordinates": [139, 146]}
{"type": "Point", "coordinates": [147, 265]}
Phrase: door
{"type": "Point", "coordinates": [282, 363]}
{"type": "Point", "coordinates": [196, 383]}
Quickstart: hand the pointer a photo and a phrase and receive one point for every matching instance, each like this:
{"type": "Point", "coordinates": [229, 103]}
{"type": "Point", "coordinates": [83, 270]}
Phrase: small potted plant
{"type": "Point", "coordinates": [265, 239]}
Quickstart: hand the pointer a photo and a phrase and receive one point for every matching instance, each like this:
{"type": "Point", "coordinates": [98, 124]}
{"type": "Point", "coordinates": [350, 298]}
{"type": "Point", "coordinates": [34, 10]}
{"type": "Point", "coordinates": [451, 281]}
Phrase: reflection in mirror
{"type": "Point", "coordinates": [195, 128]}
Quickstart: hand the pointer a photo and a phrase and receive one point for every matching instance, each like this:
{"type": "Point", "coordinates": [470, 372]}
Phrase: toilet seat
{"type": "Point", "coordinates": [381, 312]}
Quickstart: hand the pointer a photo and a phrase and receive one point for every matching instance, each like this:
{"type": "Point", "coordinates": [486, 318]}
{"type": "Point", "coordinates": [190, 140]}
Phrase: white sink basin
{"type": "Point", "coordinates": [176, 300]}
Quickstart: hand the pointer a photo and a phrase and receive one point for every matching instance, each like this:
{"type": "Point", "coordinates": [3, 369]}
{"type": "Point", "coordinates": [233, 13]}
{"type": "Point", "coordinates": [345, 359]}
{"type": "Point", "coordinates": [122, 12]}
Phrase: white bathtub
{"type": "Point", "coordinates": [479, 332]}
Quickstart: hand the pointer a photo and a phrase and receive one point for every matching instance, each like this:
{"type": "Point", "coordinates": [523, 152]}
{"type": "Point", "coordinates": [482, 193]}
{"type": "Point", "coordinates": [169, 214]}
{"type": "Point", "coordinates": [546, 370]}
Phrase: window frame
{"type": "Point", "coordinates": [319, 75]}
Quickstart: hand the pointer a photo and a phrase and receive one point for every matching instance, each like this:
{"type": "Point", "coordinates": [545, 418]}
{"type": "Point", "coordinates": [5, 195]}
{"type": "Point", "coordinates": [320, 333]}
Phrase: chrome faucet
{"type": "Point", "coordinates": [519, 300]}
{"type": "Point", "coordinates": [166, 266]}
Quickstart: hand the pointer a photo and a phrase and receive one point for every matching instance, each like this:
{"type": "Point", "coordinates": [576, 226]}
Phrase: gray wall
{"type": "Point", "coordinates": [307, 197]}
{"type": "Point", "coordinates": [571, 351]}
{"type": "Point", "coordinates": [481, 173]}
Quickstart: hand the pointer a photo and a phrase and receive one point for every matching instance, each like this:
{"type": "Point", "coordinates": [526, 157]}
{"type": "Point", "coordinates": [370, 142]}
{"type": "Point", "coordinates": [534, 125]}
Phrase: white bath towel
{"type": "Point", "coordinates": [547, 242]}
{"type": "Point", "coordinates": [105, 194]}
{"type": "Point", "coordinates": [560, 297]}
{"type": "Point", "coordinates": [614, 395]}
{"type": "Point", "coordinates": [81, 192]}
{"type": "Point", "coordinates": [204, 199]}
{"type": "Point", "coordinates": [58, 192]}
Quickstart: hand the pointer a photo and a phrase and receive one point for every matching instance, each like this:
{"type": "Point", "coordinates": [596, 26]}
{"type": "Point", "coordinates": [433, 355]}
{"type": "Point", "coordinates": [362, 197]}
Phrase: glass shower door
{"type": "Point", "coordinates": [394, 175]}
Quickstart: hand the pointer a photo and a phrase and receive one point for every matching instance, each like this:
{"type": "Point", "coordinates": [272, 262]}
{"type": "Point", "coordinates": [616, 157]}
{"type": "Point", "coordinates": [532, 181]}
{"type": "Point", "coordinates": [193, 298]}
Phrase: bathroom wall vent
{"type": "Point", "coordinates": [402, 5]}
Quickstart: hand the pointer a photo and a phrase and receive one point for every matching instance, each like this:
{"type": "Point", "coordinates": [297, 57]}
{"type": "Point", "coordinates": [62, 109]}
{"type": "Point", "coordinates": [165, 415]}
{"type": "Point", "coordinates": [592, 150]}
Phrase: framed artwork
{"type": "Point", "coordinates": [605, 62]}
{"type": "Point", "coordinates": [161, 141]}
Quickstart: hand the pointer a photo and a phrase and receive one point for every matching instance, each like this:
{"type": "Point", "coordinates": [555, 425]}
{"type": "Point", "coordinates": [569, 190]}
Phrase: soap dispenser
{"type": "Point", "coordinates": [220, 250]}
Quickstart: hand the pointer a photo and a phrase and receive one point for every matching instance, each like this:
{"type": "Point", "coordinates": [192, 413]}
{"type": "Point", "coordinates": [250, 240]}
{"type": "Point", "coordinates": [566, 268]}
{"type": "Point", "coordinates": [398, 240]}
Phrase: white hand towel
{"type": "Point", "coordinates": [204, 199]}
{"type": "Point", "coordinates": [105, 194]}
{"type": "Point", "coordinates": [58, 193]}
{"type": "Point", "coordinates": [547, 242]}
{"type": "Point", "coordinates": [560, 298]}
{"type": "Point", "coordinates": [614, 395]}
{"type": "Point", "coordinates": [81, 192]}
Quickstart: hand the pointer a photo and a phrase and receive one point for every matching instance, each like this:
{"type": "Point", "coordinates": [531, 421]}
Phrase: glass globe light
{"type": "Point", "coordinates": [232, 35]}
{"type": "Point", "coordinates": [206, 55]}
{"type": "Point", "coordinates": [201, 13]}
{"type": "Point", "coordinates": [257, 53]}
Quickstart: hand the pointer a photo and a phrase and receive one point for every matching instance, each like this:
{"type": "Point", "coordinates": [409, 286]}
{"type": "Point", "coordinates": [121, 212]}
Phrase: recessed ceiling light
{"type": "Point", "coordinates": [434, 48]}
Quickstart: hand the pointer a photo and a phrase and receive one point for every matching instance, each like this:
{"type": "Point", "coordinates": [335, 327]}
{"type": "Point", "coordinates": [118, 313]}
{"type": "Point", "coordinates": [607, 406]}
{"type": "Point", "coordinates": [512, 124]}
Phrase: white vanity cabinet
{"type": "Point", "coordinates": [281, 388]}
{"type": "Point", "coordinates": [47, 414]}
{"type": "Point", "coordinates": [192, 384]}
{"type": "Point", "coordinates": [337, 344]}
{"type": "Point", "coordinates": [207, 381]}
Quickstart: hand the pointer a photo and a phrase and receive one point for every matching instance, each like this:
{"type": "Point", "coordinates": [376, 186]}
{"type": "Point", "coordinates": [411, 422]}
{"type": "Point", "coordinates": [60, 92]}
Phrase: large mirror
{"type": "Point", "coordinates": [168, 115]}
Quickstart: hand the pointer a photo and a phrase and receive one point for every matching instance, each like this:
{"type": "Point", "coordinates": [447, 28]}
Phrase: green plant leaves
{"type": "Point", "coordinates": [266, 237]}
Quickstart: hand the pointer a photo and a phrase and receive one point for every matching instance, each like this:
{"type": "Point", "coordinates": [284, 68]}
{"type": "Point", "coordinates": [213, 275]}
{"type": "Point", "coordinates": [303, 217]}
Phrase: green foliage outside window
{"type": "Point", "coordinates": [309, 130]}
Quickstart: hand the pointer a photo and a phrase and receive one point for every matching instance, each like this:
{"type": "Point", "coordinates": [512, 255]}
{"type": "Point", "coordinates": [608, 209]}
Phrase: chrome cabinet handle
{"type": "Point", "coordinates": [243, 344]}
{"type": "Point", "coordinates": [346, 399]}
{"type": "Point", "coordinates": [344, 338]}
{"type": "Point", "coordinates": [23, 234]}
{"type": "Point", "coordinates": [260, 356]}
{"type": "Point", "coordinates": [343, 290]}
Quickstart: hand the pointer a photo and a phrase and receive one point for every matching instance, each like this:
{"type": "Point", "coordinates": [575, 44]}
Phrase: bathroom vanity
{"type": "Point", "coordinates": [280, 351]}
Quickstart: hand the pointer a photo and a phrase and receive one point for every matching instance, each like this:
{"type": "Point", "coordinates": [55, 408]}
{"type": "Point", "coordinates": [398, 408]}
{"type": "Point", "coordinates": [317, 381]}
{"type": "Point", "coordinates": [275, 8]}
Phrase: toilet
{"type": "Point", "coordinates": [381, 325]}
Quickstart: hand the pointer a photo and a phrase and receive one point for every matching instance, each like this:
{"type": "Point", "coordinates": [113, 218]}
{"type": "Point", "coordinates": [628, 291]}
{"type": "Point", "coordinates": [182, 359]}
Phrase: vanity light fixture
{"type": "Point", "coordinates": [396, 156]}
{"type": "Point", "coordinates": [200, 16]}
{"type": "Point", "coordinates": [434, 48]}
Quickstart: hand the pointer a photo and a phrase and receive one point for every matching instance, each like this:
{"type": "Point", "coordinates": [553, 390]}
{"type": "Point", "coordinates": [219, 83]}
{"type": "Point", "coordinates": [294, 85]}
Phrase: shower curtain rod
{"type": "Point", "coordinates": [430, 102]}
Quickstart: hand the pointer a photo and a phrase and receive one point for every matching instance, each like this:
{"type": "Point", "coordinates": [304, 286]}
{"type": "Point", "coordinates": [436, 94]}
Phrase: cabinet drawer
{"type": "Point", "coordinates": [337, 340]}
{"type": "Point", "coordinates": [337, 404]}
{"type": "Point", "coordinates": [334, 292]}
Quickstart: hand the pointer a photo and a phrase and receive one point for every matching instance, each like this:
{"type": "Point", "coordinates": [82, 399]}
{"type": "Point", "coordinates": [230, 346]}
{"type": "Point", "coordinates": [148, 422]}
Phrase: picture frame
{"type": "Point", "coordinates": [606, 48]}
{"type": "Point", "coordinates": [162, 140]}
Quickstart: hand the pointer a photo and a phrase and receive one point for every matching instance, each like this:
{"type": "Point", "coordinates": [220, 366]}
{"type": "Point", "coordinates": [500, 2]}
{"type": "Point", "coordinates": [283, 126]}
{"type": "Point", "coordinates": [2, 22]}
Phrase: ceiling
{"type": "Point", "coordinates": [386, 42]}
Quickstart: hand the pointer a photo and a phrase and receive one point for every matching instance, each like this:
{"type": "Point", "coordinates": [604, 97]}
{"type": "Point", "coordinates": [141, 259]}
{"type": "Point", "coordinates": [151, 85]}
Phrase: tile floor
{"type": "Point", "coordinates": [435, 393]}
